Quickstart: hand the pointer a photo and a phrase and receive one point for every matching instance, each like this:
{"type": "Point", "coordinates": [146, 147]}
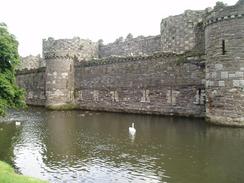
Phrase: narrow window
{"type": "Point", "coordinates": [223, 47]}
{"type": "Point", "coordinates": [199, 92]}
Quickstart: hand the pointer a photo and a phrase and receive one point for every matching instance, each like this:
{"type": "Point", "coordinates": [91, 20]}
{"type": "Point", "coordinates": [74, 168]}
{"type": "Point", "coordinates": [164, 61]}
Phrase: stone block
{"type": "Point", "coordinates": [210, 83]}
{"type": "Point", "coordinates": [207, 75]}
{"type": "Point", "coordinates": [218, 66]}
{"type": "Point", "coordinates": [241, 83]}
{"type": "Point", "coordinates": [236, 83]}
{"type": "Point", "coordinates": [232, 75]}
{"type": "Point", "coordinates": [214, 75]}
{"type": "Point", "coordinates": [224, 75]}
{"type": "Point", "coordinates": [203, 81]}
{"type": "Point", "coordinates": [221, 83]}
{"type": "Point", "coordinates": [239, 74]}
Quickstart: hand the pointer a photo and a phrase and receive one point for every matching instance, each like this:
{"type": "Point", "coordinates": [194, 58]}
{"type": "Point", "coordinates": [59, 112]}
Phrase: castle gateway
{"type": "Point", "coordinates": [195, 67]}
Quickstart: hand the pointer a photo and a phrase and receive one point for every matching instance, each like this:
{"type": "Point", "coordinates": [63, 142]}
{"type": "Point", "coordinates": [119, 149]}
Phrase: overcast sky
{"type": "Point", "coordinates": [32, 20]}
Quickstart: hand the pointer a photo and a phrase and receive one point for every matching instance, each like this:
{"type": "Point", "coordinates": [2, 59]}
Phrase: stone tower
{"type": "Point", "coordinates": [60, 56]}
{"type": "Point", "coordinates": [224, 46]}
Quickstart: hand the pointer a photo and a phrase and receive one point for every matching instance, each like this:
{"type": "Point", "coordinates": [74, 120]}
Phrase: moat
{"type": "Point", "coordinates": [85, 146]}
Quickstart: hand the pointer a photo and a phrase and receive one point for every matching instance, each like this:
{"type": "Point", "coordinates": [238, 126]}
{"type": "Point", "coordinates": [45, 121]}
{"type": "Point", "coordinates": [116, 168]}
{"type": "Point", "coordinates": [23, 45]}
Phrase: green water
{"type": "Point", "coordinates": [79, 146]}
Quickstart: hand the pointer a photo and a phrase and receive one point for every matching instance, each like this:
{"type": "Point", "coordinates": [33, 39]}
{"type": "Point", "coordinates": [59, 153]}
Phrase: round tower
{"type": "Point", "coordinates": [60, 56]}
{"type": "Point", "coordinates": [224, 46]}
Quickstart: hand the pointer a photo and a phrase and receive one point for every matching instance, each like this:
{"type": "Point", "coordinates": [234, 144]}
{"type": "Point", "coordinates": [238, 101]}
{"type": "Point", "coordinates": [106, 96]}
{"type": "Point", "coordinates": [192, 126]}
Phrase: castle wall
{"type": "Point", "coordinates": [158, 84]}
{"type": "Point", "coordinates": [182, 32]}
{"type": "Point", "coordinates": [131, 46]}
{"type": "Point", "coordinates": [225, 65]}
{"type": "Point", "coordinates": [33, 82]}
{"type": "Point", "coordinates": [162, 74]}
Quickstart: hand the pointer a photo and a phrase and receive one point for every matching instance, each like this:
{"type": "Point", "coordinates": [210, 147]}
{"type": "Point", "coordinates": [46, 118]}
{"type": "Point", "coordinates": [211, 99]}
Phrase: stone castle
{"type": "Point", "coordinates": [195, 67]}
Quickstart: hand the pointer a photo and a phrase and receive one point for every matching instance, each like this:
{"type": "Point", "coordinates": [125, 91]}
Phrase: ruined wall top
{"type": "Point", "coordinates": [31, 62]}
{"type": "Point", "coordinates": [82, 49]}
{"type": "Point", "coordinates": [131, 46]}
{"type": "Point", "coordinates": [179, 32]}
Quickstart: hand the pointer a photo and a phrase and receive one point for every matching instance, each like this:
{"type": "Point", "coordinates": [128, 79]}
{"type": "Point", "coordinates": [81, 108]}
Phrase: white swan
{"type": "Point", "coordinates": [17, 123]}
{"type": "Point", "coordinates": [132, 130]}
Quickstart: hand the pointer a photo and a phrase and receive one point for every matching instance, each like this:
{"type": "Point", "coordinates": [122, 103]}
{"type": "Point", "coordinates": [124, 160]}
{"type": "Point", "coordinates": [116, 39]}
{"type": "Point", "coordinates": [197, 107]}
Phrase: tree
{"type": "Point", "coordinates": [10, 95]}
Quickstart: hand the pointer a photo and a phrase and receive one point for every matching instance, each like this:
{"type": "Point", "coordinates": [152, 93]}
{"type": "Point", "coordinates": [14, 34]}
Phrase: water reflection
{"type": "Point", "coordinates": [132, 137]}
{"type": "Point", "coordinates": [76, 146]}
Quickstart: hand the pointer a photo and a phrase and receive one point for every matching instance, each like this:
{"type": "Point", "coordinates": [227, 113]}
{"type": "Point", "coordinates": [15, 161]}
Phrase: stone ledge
{"type": "Point", "coordinates": [225, 121]}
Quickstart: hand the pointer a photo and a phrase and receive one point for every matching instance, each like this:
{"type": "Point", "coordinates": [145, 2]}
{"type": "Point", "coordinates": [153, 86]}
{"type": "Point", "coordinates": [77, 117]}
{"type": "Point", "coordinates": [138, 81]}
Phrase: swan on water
{"type": "Point", "coordinates": [17, 123]}
{"type": "Point", "coordinates": [132, 129]}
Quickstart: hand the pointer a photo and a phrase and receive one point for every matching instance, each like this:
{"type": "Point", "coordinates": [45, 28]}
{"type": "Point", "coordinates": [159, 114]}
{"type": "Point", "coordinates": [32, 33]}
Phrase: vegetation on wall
{"type": "Point", "coordinates": [10, 95]}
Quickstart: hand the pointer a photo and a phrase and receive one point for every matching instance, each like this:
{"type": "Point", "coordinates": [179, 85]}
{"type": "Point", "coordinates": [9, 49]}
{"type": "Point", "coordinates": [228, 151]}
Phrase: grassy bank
{"type": "Point", "coordinates": [7, 175]}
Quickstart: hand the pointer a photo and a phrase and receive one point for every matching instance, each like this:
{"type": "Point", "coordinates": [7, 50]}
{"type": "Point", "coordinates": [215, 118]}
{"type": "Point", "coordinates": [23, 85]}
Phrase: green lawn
{"type": "Point", "coordinates": [7, 175]}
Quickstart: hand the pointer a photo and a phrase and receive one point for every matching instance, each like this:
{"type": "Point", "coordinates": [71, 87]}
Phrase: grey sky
{"type": "Point", "coordinates": [33, 20]}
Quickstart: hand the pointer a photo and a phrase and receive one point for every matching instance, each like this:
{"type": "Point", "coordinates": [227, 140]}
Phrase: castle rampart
{"type": "Point", "coordinates": [166, 84]}
{"type": "Point", "coordinates": [195, 67]}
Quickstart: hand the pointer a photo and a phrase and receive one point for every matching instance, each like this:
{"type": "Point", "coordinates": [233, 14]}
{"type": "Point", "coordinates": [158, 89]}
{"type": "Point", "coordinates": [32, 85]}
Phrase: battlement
{"type": "Point", "coordinates": [221, 12]}
{"type": "Point", "coordinates": [82, 49]}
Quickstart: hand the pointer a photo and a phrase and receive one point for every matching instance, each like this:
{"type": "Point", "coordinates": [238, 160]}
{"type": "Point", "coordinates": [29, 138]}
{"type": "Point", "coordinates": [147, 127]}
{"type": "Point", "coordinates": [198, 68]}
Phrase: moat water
{"type": "Point", "coordinates": [83, 146]}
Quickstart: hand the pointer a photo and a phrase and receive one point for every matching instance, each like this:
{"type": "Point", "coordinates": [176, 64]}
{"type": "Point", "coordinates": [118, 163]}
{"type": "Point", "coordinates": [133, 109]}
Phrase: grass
{"type": "Point", "coordinates": [7, 175]}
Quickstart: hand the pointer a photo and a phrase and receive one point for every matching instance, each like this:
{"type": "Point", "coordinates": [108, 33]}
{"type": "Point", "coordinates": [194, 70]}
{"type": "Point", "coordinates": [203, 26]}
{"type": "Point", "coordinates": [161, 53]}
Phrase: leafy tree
{"type": "Point", "coordinates": [10, 95]}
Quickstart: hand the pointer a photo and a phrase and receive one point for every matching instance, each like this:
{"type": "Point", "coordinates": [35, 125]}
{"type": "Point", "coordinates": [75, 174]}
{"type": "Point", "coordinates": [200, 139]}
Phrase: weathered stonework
{"type": "Point", "coordinates": [183, 32]}
{"type": "Point", "coordinates": [195, 67]}
{"type": "Point", "coordinates": [31, 62]}
{"type": "Point", "coordinates": [34, 83]}
{"type": "Point", "coordinates": [224, 35]}
{"type": "Point", "coordinates": [157, 84]}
